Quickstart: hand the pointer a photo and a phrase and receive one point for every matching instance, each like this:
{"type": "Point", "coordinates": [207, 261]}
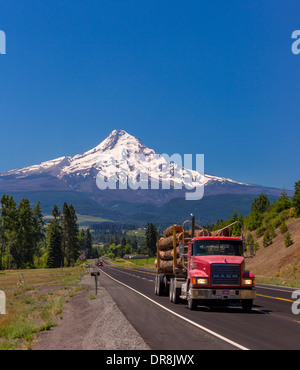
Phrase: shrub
{"type": "Point", "coordinates": [260, 231]}
{"type": "Point", "coordinates": [288, 241]}
{"type": "Point", "coordinates": [249, 239]}
{"type": "Point", "coordinates": [283, 228]}
{"type": "Point", "coordinates": [272, 232]}
{"type": "Point", "coordinates": [253, 221]}
{"type": "Point", "coordinates": [292, 212]}
{"type": "Point", "coordinates": [267, 240]}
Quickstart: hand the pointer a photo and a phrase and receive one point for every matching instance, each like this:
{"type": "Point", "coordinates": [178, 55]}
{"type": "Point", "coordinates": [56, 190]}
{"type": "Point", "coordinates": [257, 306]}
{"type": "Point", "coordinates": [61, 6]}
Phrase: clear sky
{"type": "Point", "coordinates": [211, 77]}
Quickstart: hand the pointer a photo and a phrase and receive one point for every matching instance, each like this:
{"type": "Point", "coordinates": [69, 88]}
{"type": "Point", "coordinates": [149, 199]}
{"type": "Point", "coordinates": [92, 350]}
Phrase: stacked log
{"type": "Point", "coordinates": [169, 230]}
{"type": "Point", "coordinates": [166, 248]}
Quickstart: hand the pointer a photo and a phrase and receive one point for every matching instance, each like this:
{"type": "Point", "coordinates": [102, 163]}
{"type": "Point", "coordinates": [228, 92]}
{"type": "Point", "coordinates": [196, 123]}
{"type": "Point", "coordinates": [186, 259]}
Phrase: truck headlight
{"type": "Point", "coordinates": [199, 281]}
{"type": "Point", "coordinates": [248, 281]}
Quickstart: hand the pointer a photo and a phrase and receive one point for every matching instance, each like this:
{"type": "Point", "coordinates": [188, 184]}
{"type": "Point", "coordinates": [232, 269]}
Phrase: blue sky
{"type": "Point", "coordinates": [212, 77]}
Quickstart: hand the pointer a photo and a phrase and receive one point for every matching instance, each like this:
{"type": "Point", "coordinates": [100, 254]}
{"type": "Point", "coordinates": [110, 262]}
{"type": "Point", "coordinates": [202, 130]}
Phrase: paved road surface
{"type": "Point", "coordinates": [166, 326]}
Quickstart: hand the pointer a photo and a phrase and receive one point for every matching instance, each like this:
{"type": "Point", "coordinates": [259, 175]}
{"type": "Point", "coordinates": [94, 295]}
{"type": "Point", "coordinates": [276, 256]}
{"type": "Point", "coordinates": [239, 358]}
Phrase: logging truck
{"type": "Point", "coordinates": [203, 268]}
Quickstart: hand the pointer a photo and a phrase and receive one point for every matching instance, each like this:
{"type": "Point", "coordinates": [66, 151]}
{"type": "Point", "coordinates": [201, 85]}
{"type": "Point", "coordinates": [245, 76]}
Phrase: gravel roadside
{"type": "Point", "coordinates": [91, 324]}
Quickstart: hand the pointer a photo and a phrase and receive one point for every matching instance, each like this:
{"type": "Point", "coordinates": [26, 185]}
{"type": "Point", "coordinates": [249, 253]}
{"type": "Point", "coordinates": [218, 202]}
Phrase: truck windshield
{"type": "Point", "coordinates": [220, 247]}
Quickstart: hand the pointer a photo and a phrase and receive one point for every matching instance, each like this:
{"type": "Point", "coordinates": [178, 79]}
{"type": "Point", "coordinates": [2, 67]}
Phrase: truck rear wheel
{"type": "Point", "coordinates": [176, 293]}
{"type": "Point", "coordinates": [166, 285]}
{"type": "Point", "coordinates": [160, 285]}
{"type": "Point", "coordinates": [171, 290]}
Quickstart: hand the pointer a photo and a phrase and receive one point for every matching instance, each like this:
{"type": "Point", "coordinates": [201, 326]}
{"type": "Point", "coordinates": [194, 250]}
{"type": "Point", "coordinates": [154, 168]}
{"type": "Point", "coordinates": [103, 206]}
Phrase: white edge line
{"type": "Point", "coordinates": [181, 317]}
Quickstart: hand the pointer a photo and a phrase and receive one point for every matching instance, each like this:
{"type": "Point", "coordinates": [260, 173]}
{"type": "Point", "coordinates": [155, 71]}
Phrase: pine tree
{"type": "Point", "coordinates": [296, 198]}
{"type": "Point", "coordinates": [70, 239]}
{"type": "Point", "coordinates": [288, 241]}
{"type": "Point", "coordinates": [39, 225]}
{"type": "Point", "coordinates": [151, 238]}
{"type": "Point", "coordinates": [89, 245]}
{"type": "Point", "coordinates": [82, 240]}
{"type": "Point", "coordinates": [54, 241]}
{"type": "Point", "coordinates": [267, 240]}
{"type": "Point", "coordinates": [282, 203]}
{"type": "Point", "coordinates": [260, 204]}
{"type": "Point", "coordinates": [8, 227]}
{"type": "Point", "coordinates": [75, 248]}
{"type": "Point", "coordinates": [24, 249]}
{"type": "Point", "coordinates": [237, 228]}
{"type": "Point", "coordinates": [283, 228]}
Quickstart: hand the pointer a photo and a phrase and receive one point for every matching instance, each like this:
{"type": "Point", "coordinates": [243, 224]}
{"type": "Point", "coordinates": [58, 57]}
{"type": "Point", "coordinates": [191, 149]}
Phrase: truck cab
{"type": "Point", "coordinates": [216, 271]}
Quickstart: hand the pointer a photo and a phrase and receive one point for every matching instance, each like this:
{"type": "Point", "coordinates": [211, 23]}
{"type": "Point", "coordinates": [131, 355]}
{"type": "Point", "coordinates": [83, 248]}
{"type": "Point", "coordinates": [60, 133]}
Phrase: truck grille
{"type": "Point", "coordinates": [225, 274]}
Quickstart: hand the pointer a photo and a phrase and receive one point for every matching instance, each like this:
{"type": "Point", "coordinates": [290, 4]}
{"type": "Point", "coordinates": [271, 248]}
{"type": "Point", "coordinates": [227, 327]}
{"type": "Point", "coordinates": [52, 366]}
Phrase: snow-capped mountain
{"type": "Point", "coordinates": [120, 150]}
{"type": "Point", "coordinates": [123, 160]}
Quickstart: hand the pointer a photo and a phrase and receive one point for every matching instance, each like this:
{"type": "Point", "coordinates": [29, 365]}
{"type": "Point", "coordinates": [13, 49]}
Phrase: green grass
{"type": "Point", "coordinates": [143, 262]}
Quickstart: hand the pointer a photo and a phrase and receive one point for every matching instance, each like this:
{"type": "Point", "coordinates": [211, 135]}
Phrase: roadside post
{"type": "Point", "coordinates": [96, 274]}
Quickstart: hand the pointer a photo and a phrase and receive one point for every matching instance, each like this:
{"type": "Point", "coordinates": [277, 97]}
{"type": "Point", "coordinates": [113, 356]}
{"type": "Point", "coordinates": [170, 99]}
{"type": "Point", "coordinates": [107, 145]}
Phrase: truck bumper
{"type": "Point", "coordinates": [223, 294]}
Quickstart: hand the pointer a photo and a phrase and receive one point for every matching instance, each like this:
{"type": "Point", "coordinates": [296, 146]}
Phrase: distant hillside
{"type": "Point", "coordinates": [207, 210]}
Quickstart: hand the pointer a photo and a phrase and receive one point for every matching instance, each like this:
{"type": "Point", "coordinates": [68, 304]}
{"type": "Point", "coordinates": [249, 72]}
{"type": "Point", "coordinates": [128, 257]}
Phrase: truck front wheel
{"type": "Point", "coordinates": [192, 303]}
{"type": "Point", "coordinates": [247, 305]}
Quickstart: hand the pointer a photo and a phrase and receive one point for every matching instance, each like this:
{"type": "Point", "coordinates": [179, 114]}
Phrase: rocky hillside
{"type": "Point", "coordinates": [277, 263]}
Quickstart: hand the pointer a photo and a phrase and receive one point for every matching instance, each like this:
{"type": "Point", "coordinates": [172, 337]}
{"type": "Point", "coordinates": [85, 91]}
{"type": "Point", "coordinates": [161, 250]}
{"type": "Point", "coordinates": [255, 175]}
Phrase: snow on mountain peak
{"type": "Point", "coordinates": [119, 152]}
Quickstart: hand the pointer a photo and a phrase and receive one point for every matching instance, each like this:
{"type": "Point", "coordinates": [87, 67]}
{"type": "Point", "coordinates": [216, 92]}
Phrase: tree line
{"type": "Point", "coordinates": [117, 243]}
{"type": "Point", "coordinates": [27, 240]}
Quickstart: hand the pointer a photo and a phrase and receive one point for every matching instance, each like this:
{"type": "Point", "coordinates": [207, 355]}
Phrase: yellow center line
{"type": "Point", "coordinates": [280, 299]}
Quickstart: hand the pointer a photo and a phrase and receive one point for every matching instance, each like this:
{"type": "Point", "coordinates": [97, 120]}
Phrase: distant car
{"type": "Point", "coordinates": [100, 263]}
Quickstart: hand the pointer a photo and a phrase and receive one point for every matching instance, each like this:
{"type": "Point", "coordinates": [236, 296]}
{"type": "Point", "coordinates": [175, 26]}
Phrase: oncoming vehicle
{"type": "Point", "coordinates": [100, 262]}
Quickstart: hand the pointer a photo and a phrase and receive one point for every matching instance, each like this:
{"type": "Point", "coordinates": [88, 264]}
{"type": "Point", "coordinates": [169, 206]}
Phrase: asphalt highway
{"type": "Point", "coordinates": [271, 325]}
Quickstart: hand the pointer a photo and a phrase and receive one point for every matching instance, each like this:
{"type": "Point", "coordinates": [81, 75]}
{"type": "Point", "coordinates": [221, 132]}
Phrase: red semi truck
{"type": "Point", "coordinates": [212, 271]}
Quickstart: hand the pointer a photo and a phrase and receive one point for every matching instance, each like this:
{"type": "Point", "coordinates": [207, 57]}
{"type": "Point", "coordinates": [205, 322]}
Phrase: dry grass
{"type": "Point", "coordinates": [34, 302]}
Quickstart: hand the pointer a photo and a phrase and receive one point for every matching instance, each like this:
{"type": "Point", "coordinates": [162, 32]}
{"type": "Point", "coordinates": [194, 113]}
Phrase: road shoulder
{"type": "Point", "coordinates": [91, 324]}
